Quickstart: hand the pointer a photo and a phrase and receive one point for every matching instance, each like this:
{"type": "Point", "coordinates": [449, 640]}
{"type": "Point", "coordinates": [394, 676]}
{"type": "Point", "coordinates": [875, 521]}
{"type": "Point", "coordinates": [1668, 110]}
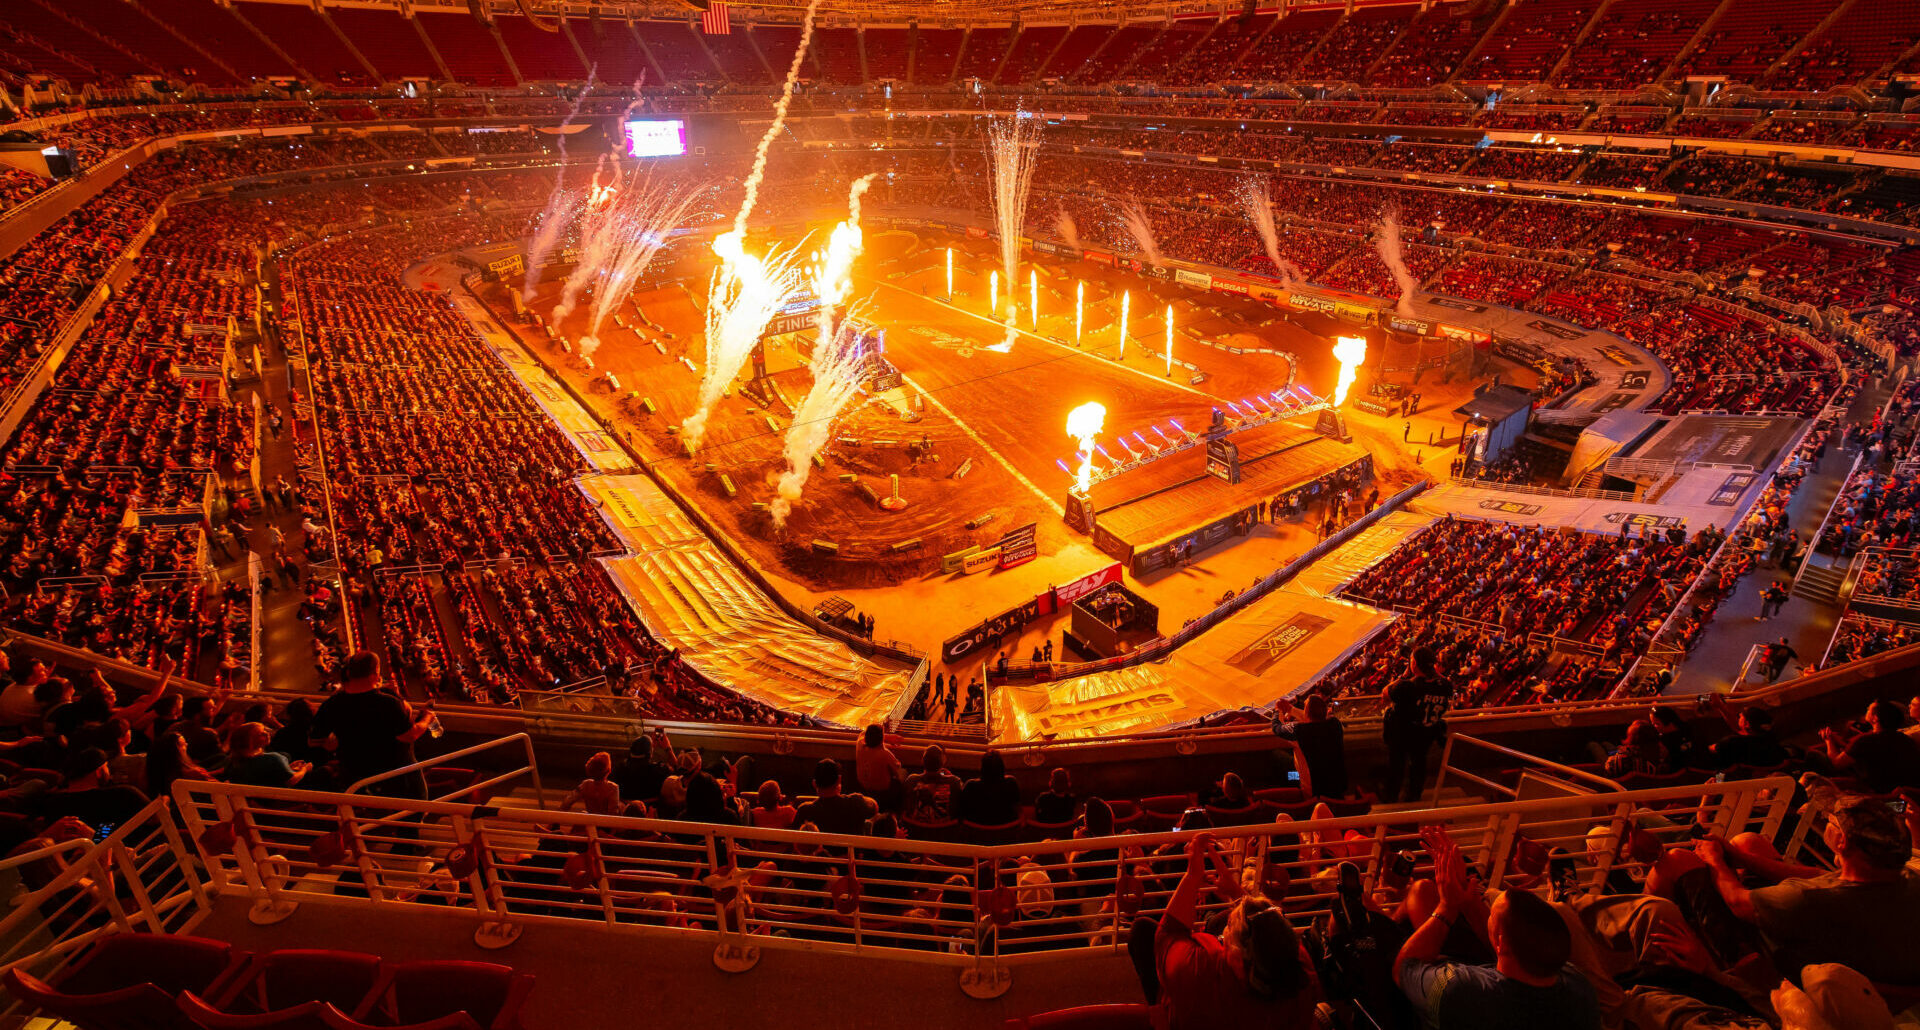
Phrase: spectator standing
{"type": "Point", "coordinates": [371, 731]}
{"type": "Point", "coordinates": [1415, 719]}
{"type": "Point", "coordinates": [1318, 746]}
{"type": "Point", "coordinates": [877, 769]}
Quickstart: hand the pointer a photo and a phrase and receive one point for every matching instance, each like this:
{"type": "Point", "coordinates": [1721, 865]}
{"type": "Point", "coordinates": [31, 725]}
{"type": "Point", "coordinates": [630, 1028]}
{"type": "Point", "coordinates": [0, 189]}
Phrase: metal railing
{"type": "Point", "coordinates": [143, 877]}
{"type": "Point", "coordinates": [982, 908]}
{"type": "Point", "coordinates": [531, 768]}
{"type": "Point", "coordinates": [1529, 765]}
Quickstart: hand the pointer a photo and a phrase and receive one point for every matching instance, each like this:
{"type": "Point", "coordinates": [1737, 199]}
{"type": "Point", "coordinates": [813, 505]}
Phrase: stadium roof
{"type": "Point", "coordinates": [927, 12]}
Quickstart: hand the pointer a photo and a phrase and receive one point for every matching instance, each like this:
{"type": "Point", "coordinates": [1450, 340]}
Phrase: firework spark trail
{"type": "Point", "coordinates": [1387, 242]}
{"type": "Point", "coordinates": [745, 293]}
{"type": "Point", "coordinates": [647, 214]}
{"type": "Point", "coordinates": [752, 185]}
{"type": "Point", "coordinates": [562, 205]}
{"type": "Point", "coordinates": [1259, 207]}
{"type": "Point", "coordinates": [1134, 217]}
{"type": "Point", "coordinates": [1069, 232]}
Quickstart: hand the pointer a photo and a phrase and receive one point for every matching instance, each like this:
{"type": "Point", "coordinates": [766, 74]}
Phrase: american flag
{"type": "Point", "coordinates": [714, 21]}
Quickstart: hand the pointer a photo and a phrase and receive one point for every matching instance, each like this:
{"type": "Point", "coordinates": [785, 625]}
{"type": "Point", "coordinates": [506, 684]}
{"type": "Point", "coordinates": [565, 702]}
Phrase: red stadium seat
{"type": "Point", "coordinates": [294, 976]}
{"type": "Point", "coordinates": [419, 992]}
{"type": "Point", "coordinates": [1087, 1017]}
{"type": "Point", "coordinates": [128, 981]}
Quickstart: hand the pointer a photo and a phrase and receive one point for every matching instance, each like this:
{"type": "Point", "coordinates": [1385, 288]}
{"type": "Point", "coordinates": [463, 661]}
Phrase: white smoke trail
{"type": "Point", "coordinates": [647, 214]}
{"type": "Point", "coordinates": [752, 185]}
{"type": "Point", "coordinates": [745, 293]}
{"type": "Point", "coordinates": [1259, 206]}
{"type": "Point", "coordinates": [1135, 218]}
{"type": "Point", "coordinates": [1387, 242]}
{"type": "Point", "coordinates": [1069, 232]}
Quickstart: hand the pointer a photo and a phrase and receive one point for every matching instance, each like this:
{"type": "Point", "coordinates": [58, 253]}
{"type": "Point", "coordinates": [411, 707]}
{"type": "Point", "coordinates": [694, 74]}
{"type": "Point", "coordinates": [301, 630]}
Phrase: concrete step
{"type": "Point", "coordinates": [1820, 585]}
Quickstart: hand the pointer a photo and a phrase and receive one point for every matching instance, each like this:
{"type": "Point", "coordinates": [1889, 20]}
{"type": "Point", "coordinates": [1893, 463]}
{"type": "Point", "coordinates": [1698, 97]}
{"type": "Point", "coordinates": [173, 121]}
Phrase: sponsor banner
{"type": "Point", "coordinates": [1455, 332]}
{"type": "Point", "coordinates": [1556, 329]}
{"type": "Point", "coordinates": [1636, 380]}
{"type": "Point", "coordinates": [1018, 546]}
{"type": "Point", "coordinates": [1197, 280]}
{"type": "Point", "coordinates": [1729, 492]}
{"type": "Point", "coordinates": [1371, 406]}
{"type": "Point", "coordinates": [1455, 303]}
{"type": "Point", "coordinates": [1510, 507]}
{"type": "Point", "coordinates": [1643, 519]}
{"type": "Point", "coordinates": [1268, 649]}
{"type": "Point", "coordinates": [1099, 257]}
{"type": "Point", "coordinates": [1351, 311]}
{"type": "Point", "coordinates": [980, 560]}
{"type": "Point", "coordinates": [512, 264]}
{"type": "Point", "coordinates": [976, 232]}
{"type": "Point", "coordinates": [1067, 593]}
{"type": "Point", "coordinates": [1619, 357]}
{"type": "Point", "coordinates": [1157, 271]}
{"type": "Point", "coordinates": [1517, 350]}
{"type": "Point", "coordinates": [979, 641]}
{"type": "Point", "coordinates": [1271, 294]}
{"type": "Point", "coordinates": [1042, 246]}
{"type": "Point", "coordinates": [1403, 324]}
{"type": "Point", "coordinates": [1229, 286]}
{"type": "Point", "coordinates": [1312, 302]}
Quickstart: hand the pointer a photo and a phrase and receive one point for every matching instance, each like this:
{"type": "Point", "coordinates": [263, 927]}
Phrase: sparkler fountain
{"type": "Point", "coordinates": [1255, 199]}
{"type": "Point", "coordinates": [1169, 339]}
{"type": "Point", "coordinates": [1126, 297]}
{"type": "Point", "coordinates": [839, 359]}
{"type": "Point", "coordinates": [1033, 297]}
{"type": "Point", "coordinates": [643, 217]}
{"type": "Point", "coordinates": [563, 206]}
{"type": "Point", "coordinates": [1141, 229]}
{"type": "Point", "coordinates": [1079, 309]}
{"type": "Point", "coordinates": [1013, 148]}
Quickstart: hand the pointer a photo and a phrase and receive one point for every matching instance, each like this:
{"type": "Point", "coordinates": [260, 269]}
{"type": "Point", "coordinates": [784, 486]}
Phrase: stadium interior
{"type": "Point", "coordinates": [524, 514]}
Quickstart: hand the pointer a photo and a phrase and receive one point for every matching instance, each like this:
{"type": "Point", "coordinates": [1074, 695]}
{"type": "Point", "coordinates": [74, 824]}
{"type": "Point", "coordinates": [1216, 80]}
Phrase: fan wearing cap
{"type": "Point", "coordinates": [1861, 914]}
{"type": "Point", "coordinates": [1252, 975]}
{"type": "Point", "coordinates": [86, 792]}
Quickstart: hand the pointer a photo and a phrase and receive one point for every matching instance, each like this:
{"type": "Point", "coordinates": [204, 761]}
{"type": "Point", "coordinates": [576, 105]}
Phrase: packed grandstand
{"type": "Point", "coordinates": [393, 546]}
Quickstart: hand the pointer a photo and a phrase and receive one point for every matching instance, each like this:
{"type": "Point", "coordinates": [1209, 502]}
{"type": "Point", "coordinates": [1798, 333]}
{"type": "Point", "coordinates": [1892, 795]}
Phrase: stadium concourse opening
{"type": "Point", "coordinates": [1060, 514]}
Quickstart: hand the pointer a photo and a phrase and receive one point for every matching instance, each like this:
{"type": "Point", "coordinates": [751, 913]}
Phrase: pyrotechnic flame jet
{"type": "Point", "coordinates": [1083, 424]}
{"type": "Point", "coordinates": [1349, 351]}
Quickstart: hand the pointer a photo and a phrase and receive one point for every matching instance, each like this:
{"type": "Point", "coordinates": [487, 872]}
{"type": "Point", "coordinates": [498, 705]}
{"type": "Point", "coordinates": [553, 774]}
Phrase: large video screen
{"type": "Point", "coordinates": [656, 137]}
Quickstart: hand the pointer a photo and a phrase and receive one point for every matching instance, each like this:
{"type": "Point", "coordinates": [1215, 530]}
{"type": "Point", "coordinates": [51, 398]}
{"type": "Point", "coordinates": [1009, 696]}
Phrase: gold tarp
{"type": "Point", "coordinates": [1283, 642]}
{"type": "Point", "coordinates": [691, 596]}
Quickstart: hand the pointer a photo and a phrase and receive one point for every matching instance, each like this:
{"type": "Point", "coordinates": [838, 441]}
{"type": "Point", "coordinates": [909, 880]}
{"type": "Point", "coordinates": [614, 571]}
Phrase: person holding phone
{"type": "Point", "coordinates": [1319, 746]}
{"type": "Point", "coordinates": [371, 731]}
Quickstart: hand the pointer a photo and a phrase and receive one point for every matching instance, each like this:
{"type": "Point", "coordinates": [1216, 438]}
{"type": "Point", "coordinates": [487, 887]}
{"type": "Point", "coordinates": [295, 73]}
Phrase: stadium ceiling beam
{"type": "Point", "coordinates": [928, 12]}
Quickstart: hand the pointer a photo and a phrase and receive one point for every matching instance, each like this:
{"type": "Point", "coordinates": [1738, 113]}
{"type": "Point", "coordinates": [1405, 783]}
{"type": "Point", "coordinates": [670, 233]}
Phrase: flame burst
{"type": "Point", "coordinates": [1350, 352]}
{"type": "Point", "coordinates": [1083, 424]}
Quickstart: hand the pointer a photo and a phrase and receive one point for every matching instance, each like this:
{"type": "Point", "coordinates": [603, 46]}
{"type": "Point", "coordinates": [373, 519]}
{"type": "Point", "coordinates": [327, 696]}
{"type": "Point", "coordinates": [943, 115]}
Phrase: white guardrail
{"type": "Point", "coordinates": [981, 908]}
